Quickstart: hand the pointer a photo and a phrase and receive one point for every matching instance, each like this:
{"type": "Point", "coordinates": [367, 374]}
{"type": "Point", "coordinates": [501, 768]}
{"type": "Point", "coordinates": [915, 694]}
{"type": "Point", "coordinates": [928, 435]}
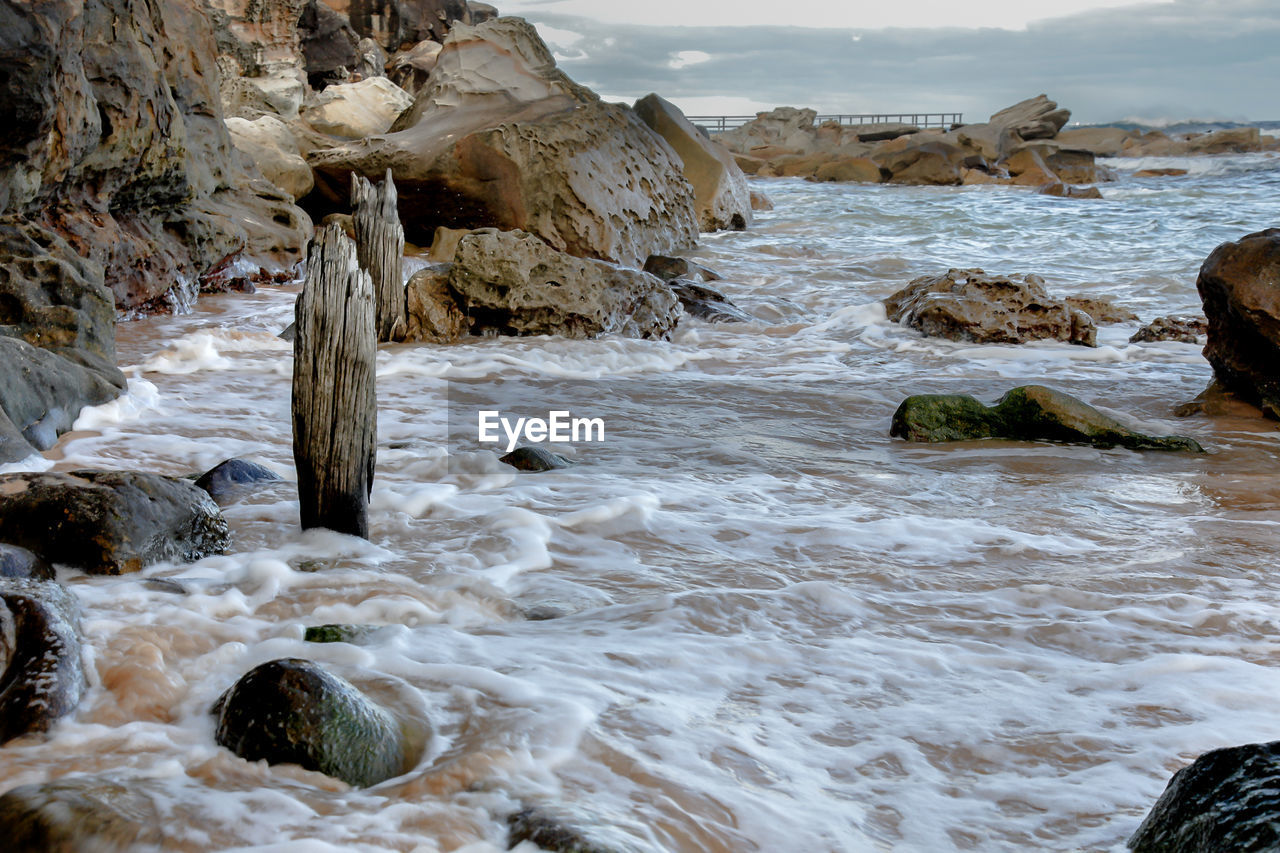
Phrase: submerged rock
{"type": "Point", "coordinates": [719, 187]}
{"type": "Point", "coordinates": [707, 303]}
{"type": "Point", "coordinates": [502, 138]}
{"type": "Point", "coordinates": [234, 475]}
{"type": "Point", "coordinates": [1027, 413]}
{"type": "Point", "coordinates": [535, 459]}
{"type": "Point", "coordinates": [1187, 330]}
{"type": "Point", "coordinates": [293, 711]}
{"type": "Point", "coordinates": [1240, 285]}
{"type": "Point", "coordinates": [82, 814]}
{"type": "Point", "coordinates": [18, 562]}
{"type": "Point", "coordinates": [551, 833]}
{"type": "Point", "coordinates": [41, 671]}
{"type": "Point", "coordinates": [514, 284]}
{"type": "Point", "coordinates": [337, 633]}
{"type": "Point", "coordinates": [110, 522]}
{"type": "Point", "coordinates": [669, 269]}
{"type": "Point", "coordinates": [970, 305]}
{"type": "Point", "coordinates": [1227, 799]}
{"type": "Point", "coordinates": [1101, 308]}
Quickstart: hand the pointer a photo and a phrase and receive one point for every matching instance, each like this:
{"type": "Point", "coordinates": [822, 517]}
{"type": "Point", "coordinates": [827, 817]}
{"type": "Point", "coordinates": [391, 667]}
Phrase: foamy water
{"type": "Point", "coordinates": [777, 629]}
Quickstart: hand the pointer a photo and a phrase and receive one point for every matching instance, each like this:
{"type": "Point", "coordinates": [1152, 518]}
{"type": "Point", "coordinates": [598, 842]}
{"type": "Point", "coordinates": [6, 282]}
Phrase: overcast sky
{"type": "Point", "coordinates": [1103, 59]}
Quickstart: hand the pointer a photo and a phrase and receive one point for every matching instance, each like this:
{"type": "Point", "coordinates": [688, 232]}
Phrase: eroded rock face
{"type": "Point", "coordinates": [1187, 330]}
{"type": "Point", "coordinates": [719, 187]}
{"type": "Point", "coordinates": [434, 311]}
{"type": "Point", "coordinates": [1239, 284]}
{"type": "Point", "coordinates": [970, 305]}
{"type": "Point", "coordinates": [1228, 799]}
{"type": "Point", "coordinates": [513, 283]}
{"type": "Point", "coordinates": [275, 151]}
{"type": "Point", "coordinates": [357, 110]}
{"type": "Point", "coordinates": [784, 127]}
{"type": "Point", "coordinates": [1034, 118]}
{"type": "Point", "coordinates": [109, 522]}
{"type": "Point", "coordinates": [41, 672]}
{"type": "Point", "coordinates": [502, 138]}
{"type": "Point", "coordinates": [293, 711]}
{"type": "Point", "coordinates": [1028, 413]}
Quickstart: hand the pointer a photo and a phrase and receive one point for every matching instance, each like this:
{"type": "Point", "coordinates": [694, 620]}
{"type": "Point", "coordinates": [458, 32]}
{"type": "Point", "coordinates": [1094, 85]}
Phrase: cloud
{"type": "Point", "coordinates": [1206, 58]}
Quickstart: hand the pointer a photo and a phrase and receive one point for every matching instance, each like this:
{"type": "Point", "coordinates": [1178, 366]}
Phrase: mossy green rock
{"type": "Point", "coordinates": [338, 633]}
{"type": "Point", "coordinates": [293, 711]}
{"type": "Point", "coordinates": [1027, 413]}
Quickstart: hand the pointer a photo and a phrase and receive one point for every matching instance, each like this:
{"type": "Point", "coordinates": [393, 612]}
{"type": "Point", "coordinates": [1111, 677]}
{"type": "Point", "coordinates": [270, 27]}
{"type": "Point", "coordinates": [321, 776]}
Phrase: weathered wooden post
{"type": "Point", "coordinates": [380, 244]}
{"type": "Point", "coordinates": [334, 407]}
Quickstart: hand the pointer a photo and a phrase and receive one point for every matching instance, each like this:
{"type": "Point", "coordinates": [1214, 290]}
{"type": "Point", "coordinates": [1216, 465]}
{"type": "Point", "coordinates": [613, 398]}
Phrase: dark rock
{"type": "Point", "coordinates": [969, 305]}
{"type": "Point", "coordinates": [328, 44]}
{"type": "Point", "coordinates": [669, 269]}
{"type": "Point", "coordinates": [1227, 799]}
{"type": "Point", "coordinates": [289, 333]}
{"type": "Point", "coordinates": [1061, 190]}
{"type": "Point", "coordinates": [1027, 413]}
{"type": "Point", "coordinates": [1101, 309]}
{"type": "Point", "coordinates": [18, 562]}
{"type": "Point", "coordinates": [109, 522]}
{"type": "Point", "coordinates": [338, 633]}
{"type": "Point", "coordinates": [77, 814]}
{"type": "Point", "coordinates": [232, 476]}
{"type": "Point", "coordinates": [544, 612]}
{"type": "Point", "coordinates": [43, 675]}
{"type": "Point", "coordinates": [550, 833]}
{"type": "Point", "coordinates": [292, 711]}
{"type": "Point", "coordinates": [535, 459]}
{"type": "Point", "coordinates": [1217, 401]}
{"type": "Point", "coordinates": [1187, 330]}
{"type": "Point", "coordinates": [707, 303]}
{"type": "Point", "coordinates": [1239, 284]}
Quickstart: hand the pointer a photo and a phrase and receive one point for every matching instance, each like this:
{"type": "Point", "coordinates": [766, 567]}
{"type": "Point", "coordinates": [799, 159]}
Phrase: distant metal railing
{"type": "Point", "coordinates": [720, 124]}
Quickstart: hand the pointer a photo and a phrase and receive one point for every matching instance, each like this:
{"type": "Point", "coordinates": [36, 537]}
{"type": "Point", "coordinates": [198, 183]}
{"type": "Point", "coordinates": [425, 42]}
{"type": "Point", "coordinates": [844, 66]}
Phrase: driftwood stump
{"type": "Point", "coordinates": [380, 244]}
{"type": "Point", "coordinates": [334, 407]}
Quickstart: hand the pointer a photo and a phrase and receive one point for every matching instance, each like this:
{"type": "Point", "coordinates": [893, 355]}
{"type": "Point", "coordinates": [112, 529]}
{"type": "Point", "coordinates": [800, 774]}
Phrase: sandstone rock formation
{"type": "Point", "coordinates": [410, 69]}
{"type": "Point", "coordinates": [1240, 285]}
{"type": "Point", "coordinates": [1187, 330]}
{"type": "Point", "coordinates": [719, 188]}
{"type": "Point", "coordinates": [1027, 413]}
{"type": "Point", "coordinates": [109, 522]}
{"type": "Point", "coordinates": [357, 110]}
{"type": "Point", "coordinates": [269, 143]}
{"type": "Point", "coordinates": [1225, 800]}
{"type": "Point", "coordinates": [970, 305]}
{"type": "Point", "coordinates": [433, 308]}
{"type": "Point", "coordinates": [513, 283]}
{"type": "Point", "coordinates": [502, 138]}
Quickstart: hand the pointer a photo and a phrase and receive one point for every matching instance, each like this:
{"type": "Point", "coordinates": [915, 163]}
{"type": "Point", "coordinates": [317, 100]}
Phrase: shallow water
{"type": "Point", "coordinates": [778, 629]}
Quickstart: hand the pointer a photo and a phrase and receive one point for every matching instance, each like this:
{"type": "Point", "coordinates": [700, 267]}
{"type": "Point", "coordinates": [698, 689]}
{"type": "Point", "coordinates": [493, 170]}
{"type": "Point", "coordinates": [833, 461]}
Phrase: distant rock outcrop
{"type": "Point", "coordinates": [502, 138]}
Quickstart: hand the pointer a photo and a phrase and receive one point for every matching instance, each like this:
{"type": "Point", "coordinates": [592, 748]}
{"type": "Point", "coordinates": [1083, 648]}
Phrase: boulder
{"type": "Point", "coordinates": [1071, 165]}
{"type": "Point", "coordinates": [513, 283]}
{"type": "Point", "coordinates": [1235, 140]}
{"type": "Point", "coordinates": [861, 169]}
{"type": "Point", "coordinates": [1061, 190]}
{"type": "Point", "coordinates": [109, 522]}
{"type": "Point", "coordinates": [357, 110]}
{"type": "Point", "coordinates": [1187, 330]}
{"type": "Point", "coordinates": [1029, 169]}
{"type": "Point", "coordinates": [293, 711]}
{"type": "Point", "coordinates": [760, 201]}
{"type": "Point", "coordinates": [785, 127]}
{"type": "Point", "coordinates": [719, 187]}
{"type": "Point", "coordinates": [411, 69]}
{"type": "Point", "coordinates": [1225, 800]}
{"type": "Point", "coordinates": [1101, 309]}
{"type": "Point", "coordinates": [796, 165]}
{"type": "Point", "coordinates": [481, 12]}
{"type": "Point", "coordinates": [269, 143]}
{"type": "Point", "coordinates": [1155, 143]}
{"type": "Point", "coordinates": [41, 671]}
{"type": "Point", "coordinates": [234, 476]}
{"type": "Point", "coordinates": [707, 303]}
{"type": "Point", "coordinates": [1027, 413]}
{"type": "Point", "coordinates": [1101, 141]}
{"type": "Point", "coordinates": [1239, 284]}
{"type": "Point", "coordinates": [18, 562]}
{"type": "Point", "coordinates": [502, 138]}
{"type": "Point", "coordinates": [277, 91]}
{"type": "Point", "coordinates": [669, 269]}
{"type": "Point", "coordinates": [970, 305]}
{"type": "Point", "coordinates": [534, 459]}
{"type": "Point", "coordinates": [925, 159]}
{"type": "Point", "coordinates": [1034, 118]}
{"type": "Point", "coordinates": [434, 313]}
{"type": "Point", "coordinates": [371, 60]}
{"type": "Point", "coordinates": [993, 142]}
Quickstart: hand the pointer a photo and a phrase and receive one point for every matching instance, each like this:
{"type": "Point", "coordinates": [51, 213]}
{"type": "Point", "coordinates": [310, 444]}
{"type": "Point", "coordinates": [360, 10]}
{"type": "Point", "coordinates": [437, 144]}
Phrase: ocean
{"type": "Point", "coordinates": [748, 619]}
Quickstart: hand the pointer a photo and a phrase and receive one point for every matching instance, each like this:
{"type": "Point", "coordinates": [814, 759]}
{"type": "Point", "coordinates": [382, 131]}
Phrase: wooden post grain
{"type": "Point", "coordinates": [380, 243]}
{"type": "Point", "coordinates": [334, 407]}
